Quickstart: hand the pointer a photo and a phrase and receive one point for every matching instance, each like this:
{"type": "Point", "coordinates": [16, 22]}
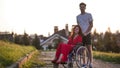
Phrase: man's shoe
{"type": "Point", "coordinates": [70, 65]}
{"type": "Point", "coordinates": [90, 66]}
{"type": "Point", "coordinates": [84, 66]}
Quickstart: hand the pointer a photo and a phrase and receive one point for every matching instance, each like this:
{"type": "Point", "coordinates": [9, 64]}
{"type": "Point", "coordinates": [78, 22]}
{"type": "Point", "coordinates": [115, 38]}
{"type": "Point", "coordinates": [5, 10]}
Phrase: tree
{"type": "Point", "coordinates": [18, 39]}
{"type": "Point", "coordinates": [36, 42]}
{"type": "Point", "coordinates": [95, 40]}
{"type": "Point", "coordinates": [25, 39]}
{"type": "Point", "coordinates": [108, 42]}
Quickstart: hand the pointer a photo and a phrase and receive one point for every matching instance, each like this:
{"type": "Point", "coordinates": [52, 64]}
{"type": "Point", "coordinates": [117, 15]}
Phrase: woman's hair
{"type": "Point", "coordinates": [73, 31]}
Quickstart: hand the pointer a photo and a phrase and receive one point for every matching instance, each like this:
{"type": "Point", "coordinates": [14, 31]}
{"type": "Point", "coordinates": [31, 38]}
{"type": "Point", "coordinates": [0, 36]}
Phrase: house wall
{"type": "Point", "coordinates": [8, 37]}
{"type": "Point", "coordinates": [45, 47]}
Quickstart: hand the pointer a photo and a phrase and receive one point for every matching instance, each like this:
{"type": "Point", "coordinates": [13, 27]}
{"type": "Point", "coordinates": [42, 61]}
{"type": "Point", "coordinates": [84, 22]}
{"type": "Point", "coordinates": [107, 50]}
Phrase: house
{"type": "Point", "coordinates": [57, 35]}
{"type": "Point", "coordinates": [51, 39]}
{"type": "Point", "coordinates": [7, 36]}
{"type": "Point", "coordinates": [118, 39]}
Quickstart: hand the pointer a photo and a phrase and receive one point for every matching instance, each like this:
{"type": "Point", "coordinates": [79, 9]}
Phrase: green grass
{"type": "Point", "coordinates": [34, 61]}
{"type": "Point", "coordinates": [10, 52]}
{"type": "Point", "coordinates": [109, 57]}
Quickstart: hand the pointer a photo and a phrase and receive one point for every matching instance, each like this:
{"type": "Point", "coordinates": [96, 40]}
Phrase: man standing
{"type": "Point", "coordinates": [85, 21]}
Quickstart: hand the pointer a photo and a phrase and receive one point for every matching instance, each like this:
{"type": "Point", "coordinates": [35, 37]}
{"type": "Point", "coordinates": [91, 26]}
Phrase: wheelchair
{"type": "Point", "coordinates": [77, 57]}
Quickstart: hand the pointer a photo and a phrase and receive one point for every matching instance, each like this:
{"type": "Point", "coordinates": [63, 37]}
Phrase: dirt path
{"type": "Point", "coordinates": [102, 64]}
{"type": "Point", "coordinates": [48, 56]}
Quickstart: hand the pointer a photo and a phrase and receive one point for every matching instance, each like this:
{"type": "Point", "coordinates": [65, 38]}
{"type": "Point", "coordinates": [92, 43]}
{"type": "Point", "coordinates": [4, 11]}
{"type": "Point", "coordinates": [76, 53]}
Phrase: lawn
{"type": "Point", "coordinates": [10, 52]}
{"type": "Point", "coordinates": [35, 62]}
{"type": "Point", "coordinates": [109, 57]}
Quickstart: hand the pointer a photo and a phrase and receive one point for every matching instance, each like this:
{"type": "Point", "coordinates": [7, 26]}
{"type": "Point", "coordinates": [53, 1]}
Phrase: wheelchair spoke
{"type": "Point", "coordinates": [82, 56]}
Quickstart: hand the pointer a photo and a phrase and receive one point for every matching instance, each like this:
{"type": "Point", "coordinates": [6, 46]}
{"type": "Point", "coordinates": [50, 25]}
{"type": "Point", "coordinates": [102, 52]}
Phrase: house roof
{"type": "Point", "coordinates": [62, 33]}
{"type": "Point", "coordinates": [52, 37]}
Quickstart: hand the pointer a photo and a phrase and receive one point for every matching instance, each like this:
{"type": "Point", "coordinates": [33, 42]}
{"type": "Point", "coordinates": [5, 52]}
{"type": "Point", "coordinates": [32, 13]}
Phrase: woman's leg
{"type": "Point", "coordinates": [58, 51]}
{"type": "Point", "coordinates": [65, 50]}
{"type": "Point", "coordinates": [60, 58]}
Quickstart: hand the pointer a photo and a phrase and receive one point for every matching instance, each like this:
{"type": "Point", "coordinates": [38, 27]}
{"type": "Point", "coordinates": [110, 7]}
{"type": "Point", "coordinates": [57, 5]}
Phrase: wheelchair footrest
{"type": "Point", "coordinates": [63, 63]}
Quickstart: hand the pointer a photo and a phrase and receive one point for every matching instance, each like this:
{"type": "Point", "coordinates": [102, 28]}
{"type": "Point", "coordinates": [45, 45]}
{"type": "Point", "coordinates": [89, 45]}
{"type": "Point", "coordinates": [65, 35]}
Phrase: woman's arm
{"type": "Point", "coordinates": [79, 39]}
{"type": "Point", "coordinates": [69, 41]}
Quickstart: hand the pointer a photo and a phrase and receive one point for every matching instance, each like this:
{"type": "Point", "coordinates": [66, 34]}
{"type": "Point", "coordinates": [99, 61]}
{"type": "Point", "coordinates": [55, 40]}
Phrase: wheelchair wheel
{"type": "Point", "coordinates": [71, 60]}
{"type": "Point", "coordinates": [70, 65]}
{"type": "Point", "coordinates": [82, 56]}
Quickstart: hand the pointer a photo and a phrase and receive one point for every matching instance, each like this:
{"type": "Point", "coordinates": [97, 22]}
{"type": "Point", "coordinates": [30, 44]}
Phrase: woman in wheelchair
{"type": "Point", "coordinates": [64, 49]}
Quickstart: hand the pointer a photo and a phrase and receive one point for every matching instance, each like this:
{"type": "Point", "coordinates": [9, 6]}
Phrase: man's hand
{"type": "Point", "coordinates": [85, 34]}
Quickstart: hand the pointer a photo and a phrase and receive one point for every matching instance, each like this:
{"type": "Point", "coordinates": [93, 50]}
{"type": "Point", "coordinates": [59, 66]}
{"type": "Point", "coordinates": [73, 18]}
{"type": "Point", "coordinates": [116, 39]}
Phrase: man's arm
{"type": "Point", "coordinates": [77, 22]}
{"type": "Point", "coordinates": [90, 27]}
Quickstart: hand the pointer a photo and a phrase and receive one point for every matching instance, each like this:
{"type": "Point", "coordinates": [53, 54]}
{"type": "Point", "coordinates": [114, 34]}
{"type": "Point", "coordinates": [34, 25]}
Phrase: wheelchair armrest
{"type": "Point", "coordinates": [79, 43]}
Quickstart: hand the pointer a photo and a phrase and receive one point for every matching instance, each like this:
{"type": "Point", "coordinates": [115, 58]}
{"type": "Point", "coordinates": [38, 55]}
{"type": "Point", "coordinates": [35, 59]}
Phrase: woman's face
{"type": "Point", "coordinates": [76, 30]}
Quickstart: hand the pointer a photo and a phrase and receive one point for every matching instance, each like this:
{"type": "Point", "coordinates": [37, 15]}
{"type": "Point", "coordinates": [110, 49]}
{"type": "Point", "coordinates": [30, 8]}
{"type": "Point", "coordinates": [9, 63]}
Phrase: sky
{"type": "Point", "coordinates": [40, 16]}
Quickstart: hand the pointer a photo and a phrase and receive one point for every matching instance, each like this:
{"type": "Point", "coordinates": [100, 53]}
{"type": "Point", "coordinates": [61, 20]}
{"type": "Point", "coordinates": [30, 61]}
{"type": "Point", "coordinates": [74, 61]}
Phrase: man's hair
{"type": "Point", "coordinates": [82, 3]}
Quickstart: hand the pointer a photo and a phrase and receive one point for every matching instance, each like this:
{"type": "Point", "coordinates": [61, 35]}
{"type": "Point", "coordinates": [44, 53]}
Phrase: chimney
{"type": "Point", "coordinates": [66, 26]}
{"type": "Point", "coordinates": [55, 29]}
{"type": "Point", "coordinates": [48, 34]}
{"type": "Point", "coordinates": [66, 30]}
